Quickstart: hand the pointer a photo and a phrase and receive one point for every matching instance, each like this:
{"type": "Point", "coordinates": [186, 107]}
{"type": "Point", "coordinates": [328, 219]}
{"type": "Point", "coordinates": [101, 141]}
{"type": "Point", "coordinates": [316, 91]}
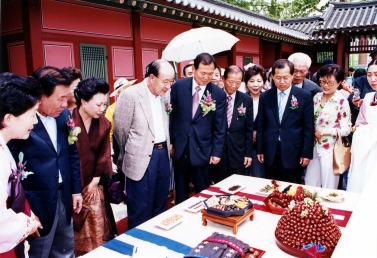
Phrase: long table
{"type": "Point", "coordinates": [148, 240]}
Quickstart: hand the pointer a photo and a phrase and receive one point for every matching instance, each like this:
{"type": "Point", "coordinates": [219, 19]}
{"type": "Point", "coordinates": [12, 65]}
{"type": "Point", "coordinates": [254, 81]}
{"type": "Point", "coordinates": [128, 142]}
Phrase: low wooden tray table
{"type": "Point", "coordinates": [232, 221]}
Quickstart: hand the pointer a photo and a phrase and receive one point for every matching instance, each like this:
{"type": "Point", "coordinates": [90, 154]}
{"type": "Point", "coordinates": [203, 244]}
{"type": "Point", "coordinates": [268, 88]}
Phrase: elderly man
{"type": "Point", "coordinates": [285, 134]}
{"type": "Point", "coordinates": [239, 138]}
{"type": "Point", "coordinates": [141, 127]}
{"type": "Point", "coordinates": [301, 63]}
{"type": "Point", "coordinates": [54, 190]}
{"type": "Point", "coordinates": [197, 126]}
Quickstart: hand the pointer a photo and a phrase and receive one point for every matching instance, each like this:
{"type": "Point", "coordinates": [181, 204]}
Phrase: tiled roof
{"type": "Point", "coordinates": [241, 15]}
{"type": "Point", "coordinates": [345, 15]}
{"type": "Point", "coordinates": [304, 25]}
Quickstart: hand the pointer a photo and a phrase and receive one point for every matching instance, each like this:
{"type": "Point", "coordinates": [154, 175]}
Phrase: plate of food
{"type": "Point", "coordinates": [195, 204]}
{"type": "Point", "coordinates": [332, 196]}
{"type": "Point", "coordinates": [228, 205]}
{"type": "Point", "coordinates": [232, 189]}
{"type": "Point", "coordinates": [170, 222]}
{"type": "Point", "coordinates": [267, 189]}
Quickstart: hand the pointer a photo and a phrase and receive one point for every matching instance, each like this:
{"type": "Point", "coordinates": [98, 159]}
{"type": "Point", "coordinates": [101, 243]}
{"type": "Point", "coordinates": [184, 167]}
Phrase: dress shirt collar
{"type": "Point", "coordinates": [151, 96]}
{"type": "Point", "coordinates": [287, 91]}
{"type": "Point", "coordinates": [299, 84]}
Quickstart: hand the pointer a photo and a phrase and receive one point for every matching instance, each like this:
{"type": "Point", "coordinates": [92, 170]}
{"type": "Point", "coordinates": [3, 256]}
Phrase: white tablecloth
{"type": "Point", "coordinates": [258, 233]}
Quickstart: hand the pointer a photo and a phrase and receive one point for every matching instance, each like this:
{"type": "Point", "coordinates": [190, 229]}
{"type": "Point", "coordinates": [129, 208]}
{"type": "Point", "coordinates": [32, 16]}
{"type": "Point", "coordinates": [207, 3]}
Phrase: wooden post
{"type": "Point", "coordinates": [32, 24]}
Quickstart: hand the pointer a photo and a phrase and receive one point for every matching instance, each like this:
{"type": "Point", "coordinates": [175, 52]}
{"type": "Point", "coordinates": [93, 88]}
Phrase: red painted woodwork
{"type": "Point", "coordinates": [17, 59]}
{"type": "Point", "coordinates": [137, 46]}
{"type": "Point", "coordinates": [256, 60]}
{"type": "Point", "coordinates": [247, 44]}
{"type": "Point", "coordinates": [11, 16]}
{"type": "Point", "coordinates": [287, 48]}
{"type": "Point", "coordinates": [160, 30]}
{"type": "Point", "coordinates": [58, 54]}
{"type": "Point", "coordinates": [269, 53]}
{"type": "Point", "coordinates": [74, 17]}
{"type": "Point", "coordinates": [222, 61]}
{"type": "Point", "coordinates": [32, 24]}
{"type": "Point", "coordinates": [239, 61]}
{"type": "Point", "coordinates": [123, 62]}
{"type": "Point", "coordinates": [148, 55]}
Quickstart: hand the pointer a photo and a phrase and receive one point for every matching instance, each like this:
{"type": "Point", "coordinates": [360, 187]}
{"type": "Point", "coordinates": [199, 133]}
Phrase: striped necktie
{"type": "Point", "coordinates": [229, 111]}
{"type": "Point", "coordinates": [281, 106]}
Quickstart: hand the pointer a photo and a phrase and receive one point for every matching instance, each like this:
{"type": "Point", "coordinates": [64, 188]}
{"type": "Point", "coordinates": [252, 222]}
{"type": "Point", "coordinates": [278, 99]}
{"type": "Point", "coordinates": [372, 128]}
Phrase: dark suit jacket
{"type": "Point", "coordinates": [41, 188]}
{"type": "Point", "coordinates": [362, 84]}
{"type": "Point", "coordinates": [296, 129]}
{"type": "Point", "coordinates": [308, 85]}
{"type": "Point", "coordinates": [239, 137]}
{"type": "Point", "coordinates": [205, 134]}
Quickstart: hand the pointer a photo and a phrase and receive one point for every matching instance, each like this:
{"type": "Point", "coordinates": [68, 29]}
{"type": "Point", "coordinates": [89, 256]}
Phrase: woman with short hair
{"type": "Point", "coordinates": [255, 79]}
{"type": "Point", "coordinates": [94, 150]}
{"type": "Point", "coordinates": [19, 101]}
{"type": "Point", "coordinates": [332, 117]}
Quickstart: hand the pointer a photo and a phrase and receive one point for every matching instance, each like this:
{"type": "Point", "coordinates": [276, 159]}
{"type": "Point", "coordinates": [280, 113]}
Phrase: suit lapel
{"type": "Point", "coordinates": [237, 103]}
{"type": "Point", "coordinates": [146, 106]}
{"type": "Point", "coordinates": [273, 100]}
{"type": "Point", "coordinates": [60, 122]}
{"type": "Point", "coordinates": [165, 117]}
{"type": "Point", "coordinates": [187, 93]}
{"type": "Point", "coordinates": [41, 131]}
{"type": "Point", "coordinates": [287, 109]}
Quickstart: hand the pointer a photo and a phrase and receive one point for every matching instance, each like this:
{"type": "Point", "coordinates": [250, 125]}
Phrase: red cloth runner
{"type": "Point", "coordinates": [341, 223]}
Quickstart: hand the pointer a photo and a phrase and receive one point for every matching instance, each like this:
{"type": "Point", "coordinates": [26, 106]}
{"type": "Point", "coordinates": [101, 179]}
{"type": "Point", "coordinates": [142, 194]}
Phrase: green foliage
{"type": "Point", "coordinates": [282, 9]}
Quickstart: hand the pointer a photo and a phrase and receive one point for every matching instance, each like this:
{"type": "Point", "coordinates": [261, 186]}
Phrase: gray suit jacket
{"type": "Point", "coordinates": [310, 86]}
{"type": "Point", "coordinates": [134, 130]}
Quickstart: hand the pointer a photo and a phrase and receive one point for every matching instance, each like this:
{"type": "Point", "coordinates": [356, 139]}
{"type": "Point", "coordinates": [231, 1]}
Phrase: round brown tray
{"type": "Point", "coordinates": [299, 252]}
{"type": "Point", "coordinates": [274, 210]}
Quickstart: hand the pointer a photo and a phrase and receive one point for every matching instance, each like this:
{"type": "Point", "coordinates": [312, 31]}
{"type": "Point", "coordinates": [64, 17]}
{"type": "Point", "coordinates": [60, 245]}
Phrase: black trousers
{"type": "Point", "coordinates": [224, 168]}
{"type": "Point", "coordinates": [183, 170]}
{"type": "Point", "coordinates": [278, 172]}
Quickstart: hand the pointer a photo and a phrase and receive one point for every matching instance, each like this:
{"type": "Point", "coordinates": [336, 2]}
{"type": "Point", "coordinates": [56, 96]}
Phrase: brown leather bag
{"type": "Point", "coordinates": [79, 219]}
{"type": "Point", "coordinates": [341, 154]}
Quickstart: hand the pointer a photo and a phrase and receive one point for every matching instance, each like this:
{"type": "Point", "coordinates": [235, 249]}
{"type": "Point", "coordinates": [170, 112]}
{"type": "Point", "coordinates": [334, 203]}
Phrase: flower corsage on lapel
{"type": "Point", "coordinates": [241, 110]}
{"type": "Point", "coordinates": [169, 108]}
{"type": "Point", "coordinates": [72, 130]}
{"type": "Point", "coordinates": [294, 103]}
{"type": "Point", "coordinates": [207, 103]}
{"type": "Point", "coordinates": [21, 166]}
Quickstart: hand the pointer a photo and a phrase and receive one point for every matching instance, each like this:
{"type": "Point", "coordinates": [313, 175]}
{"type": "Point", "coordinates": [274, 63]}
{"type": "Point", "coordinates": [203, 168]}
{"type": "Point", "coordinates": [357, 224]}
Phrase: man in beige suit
{"type": "Point", "coordinates": [141, 127]}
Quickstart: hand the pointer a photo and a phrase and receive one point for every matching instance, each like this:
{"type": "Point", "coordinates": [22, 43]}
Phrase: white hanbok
{"type": "Point", "coordinates": [364, 146]}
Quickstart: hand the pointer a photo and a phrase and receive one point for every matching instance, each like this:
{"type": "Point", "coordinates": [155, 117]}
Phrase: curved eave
{"type": "Point", "coordinates": [238, 16]}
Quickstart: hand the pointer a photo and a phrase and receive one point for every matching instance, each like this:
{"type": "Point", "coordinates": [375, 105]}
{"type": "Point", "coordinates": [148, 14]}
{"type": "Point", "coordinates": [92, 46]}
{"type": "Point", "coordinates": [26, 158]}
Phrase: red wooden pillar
{"type": "Point", "coordinates": [139, 73]}
{"type": "Point", "coordinates": [261, 53]}
{"type": "Point", "coordinates": [232, 56]}
{"type": "Point", "coordinates": [32, 24]}
{"type": "Point", "coordinates": [340, 50]}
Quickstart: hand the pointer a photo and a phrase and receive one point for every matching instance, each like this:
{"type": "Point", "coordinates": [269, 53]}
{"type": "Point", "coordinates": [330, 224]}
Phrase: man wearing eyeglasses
{"type": "Point", "coordinates": [141, 127]}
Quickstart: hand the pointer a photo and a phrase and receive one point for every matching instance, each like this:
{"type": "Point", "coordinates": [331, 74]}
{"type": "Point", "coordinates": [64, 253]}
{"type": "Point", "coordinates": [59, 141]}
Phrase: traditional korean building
{"type": "Point", "coordinates": [118, 38]}
{"type": "Point", "coordinates": [344, 28]}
